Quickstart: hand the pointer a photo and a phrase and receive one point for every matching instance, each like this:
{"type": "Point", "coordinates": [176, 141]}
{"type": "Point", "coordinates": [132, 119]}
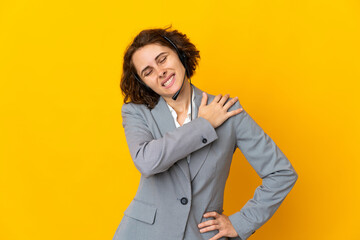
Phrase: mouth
{"type": "Point", "coordinates": [168, 81]}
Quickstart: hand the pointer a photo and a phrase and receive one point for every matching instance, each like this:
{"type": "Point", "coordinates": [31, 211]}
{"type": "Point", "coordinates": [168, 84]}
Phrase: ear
{"type": "Point", "coordinates": [183, 56]}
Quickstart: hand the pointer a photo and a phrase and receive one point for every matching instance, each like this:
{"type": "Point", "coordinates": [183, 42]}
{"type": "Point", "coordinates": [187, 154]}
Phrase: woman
{"type": "Point", "coordinates": [182, 142]}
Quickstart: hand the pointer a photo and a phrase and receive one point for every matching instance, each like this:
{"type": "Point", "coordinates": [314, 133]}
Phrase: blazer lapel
{"type": "Point", "coordinates": [165, 123]}
{"type": "Point", "coordinates": [163, 117]}
{"type": "Point", "coordinates": [197, 159]}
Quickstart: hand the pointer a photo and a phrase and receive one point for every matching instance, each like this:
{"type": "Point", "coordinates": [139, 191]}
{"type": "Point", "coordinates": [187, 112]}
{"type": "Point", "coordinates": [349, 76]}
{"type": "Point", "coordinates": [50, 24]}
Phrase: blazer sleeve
{"type": "Point", "coordinates": [277, 173]}
{"type": "Point", "coordinates": [152, 156]}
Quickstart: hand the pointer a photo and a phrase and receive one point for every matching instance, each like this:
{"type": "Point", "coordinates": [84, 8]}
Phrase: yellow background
{"type": "Point", "coordinates": [65, 169]}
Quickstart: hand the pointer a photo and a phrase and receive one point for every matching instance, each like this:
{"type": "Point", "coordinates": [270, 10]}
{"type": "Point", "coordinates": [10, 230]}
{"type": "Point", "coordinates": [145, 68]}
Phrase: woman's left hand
{"type": "Point", "coordinates": [221, 223]}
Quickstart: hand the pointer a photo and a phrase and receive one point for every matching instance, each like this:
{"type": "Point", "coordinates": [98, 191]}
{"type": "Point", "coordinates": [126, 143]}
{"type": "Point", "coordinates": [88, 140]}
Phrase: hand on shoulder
{"type": "Point", "coordinates": [216, 112]}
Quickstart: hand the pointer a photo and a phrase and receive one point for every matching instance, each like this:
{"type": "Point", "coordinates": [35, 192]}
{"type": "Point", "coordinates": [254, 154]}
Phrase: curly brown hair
{"type": "Point", "coordinates": [133, 90]}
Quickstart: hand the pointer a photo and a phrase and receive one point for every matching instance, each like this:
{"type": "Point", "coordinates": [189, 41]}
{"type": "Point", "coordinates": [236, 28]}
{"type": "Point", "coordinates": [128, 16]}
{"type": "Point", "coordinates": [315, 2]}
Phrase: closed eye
{"type": "Point", "coordinates": [163, 59]}
{"type": "Point", "coordinates": [148, 73]}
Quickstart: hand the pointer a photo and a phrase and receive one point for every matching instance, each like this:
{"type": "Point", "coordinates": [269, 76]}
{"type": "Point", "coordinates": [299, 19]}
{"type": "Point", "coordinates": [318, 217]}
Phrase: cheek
{"type": "Point", "coordinates": [181, 67]}
{"type": "Point", "coordinates": [150, 81]}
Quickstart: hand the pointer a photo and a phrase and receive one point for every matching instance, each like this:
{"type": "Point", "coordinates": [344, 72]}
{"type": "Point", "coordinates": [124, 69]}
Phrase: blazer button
{"type": "Point", "coordinates": [204, 140]}
{"type": "Point", "coordinates": [184, 201]}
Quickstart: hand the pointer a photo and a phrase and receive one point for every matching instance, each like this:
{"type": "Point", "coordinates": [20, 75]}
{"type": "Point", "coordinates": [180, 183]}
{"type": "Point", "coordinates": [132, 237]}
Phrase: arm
{"type": "Point", "coordinates": [152, 156]}
{"type": "Point", "coordinates": [278, 175]}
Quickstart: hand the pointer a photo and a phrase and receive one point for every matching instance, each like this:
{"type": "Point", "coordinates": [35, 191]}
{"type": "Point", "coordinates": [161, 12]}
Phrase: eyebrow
{"type": "Point", "coordinates": [155, 60]}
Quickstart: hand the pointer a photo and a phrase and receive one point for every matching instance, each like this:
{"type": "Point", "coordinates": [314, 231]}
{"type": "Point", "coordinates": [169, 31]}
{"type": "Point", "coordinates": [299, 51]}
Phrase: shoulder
{"type": "Point", "coordinates": [133, 108]}
{"type": "Point", "coordinates": [238, 118]}
{"type": "Point", "coordinates": [236, 105]}
{"type": "Point", "coordinates": [133, 114]}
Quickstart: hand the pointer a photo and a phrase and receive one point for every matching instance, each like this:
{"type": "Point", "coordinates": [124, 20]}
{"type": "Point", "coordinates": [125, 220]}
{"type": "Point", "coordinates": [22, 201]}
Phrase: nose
{"type": "Point", "coordinates": [162, 73]}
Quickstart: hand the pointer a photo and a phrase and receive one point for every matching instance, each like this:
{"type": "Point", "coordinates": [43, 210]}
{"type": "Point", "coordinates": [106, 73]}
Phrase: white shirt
{"type": "Point", "coordinates": [187, 119]}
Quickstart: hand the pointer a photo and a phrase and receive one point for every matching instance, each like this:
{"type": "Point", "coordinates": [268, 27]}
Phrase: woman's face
{"type": "Point", "coordinates": [160, 68]}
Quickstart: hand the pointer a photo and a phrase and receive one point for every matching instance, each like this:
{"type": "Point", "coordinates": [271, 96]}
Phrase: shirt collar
{"type": "Point", "coordinates": [173, 112]}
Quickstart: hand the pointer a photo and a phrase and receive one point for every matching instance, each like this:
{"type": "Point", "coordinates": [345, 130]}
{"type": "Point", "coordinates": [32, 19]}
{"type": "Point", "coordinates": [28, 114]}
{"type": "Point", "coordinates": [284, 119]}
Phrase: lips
{"type": "Point", "coordinates": [168, 80]}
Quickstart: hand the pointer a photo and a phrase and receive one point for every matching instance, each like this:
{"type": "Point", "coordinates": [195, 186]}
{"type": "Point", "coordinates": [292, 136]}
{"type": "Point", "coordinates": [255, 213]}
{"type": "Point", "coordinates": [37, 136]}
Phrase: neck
{"type": "Point", "coordinates": [182, 102]}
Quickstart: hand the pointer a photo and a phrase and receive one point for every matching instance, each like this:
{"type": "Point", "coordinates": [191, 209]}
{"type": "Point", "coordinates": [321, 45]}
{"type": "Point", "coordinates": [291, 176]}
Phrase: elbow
{"type": "Point", "coordinates": [143, 163]}
{"type": "Point", "coordinates": [294, 177]}
{"type": "Point", "coordinates": [146, 173]}
{"type": "Point", "coordinates": [147, 166]}
{"type": "Point", "coordinates": [147, 163]}
{"type": "Point", "coordinates": [287, 177]}
{"type": "Point", "coordinates": [144, 169]}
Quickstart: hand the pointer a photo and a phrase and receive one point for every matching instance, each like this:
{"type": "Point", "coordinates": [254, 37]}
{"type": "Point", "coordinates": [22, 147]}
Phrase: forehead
{"type": "Point", "coordinates": [146, 55]}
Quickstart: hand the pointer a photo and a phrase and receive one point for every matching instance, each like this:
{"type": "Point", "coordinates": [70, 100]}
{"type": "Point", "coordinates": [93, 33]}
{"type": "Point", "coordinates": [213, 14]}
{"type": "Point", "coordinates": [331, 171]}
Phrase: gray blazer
{"type": "Point", "coordinates": [173, 194]}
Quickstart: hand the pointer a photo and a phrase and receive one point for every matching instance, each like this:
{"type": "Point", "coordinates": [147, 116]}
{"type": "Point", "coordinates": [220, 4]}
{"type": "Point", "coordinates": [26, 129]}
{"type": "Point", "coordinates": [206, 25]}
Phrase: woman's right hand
{"type": "Point", "coordinates": [217, 111]}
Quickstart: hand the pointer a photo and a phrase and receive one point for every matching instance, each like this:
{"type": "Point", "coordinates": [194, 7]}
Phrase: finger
{"type": "Point", "coordinates": [230, 103]}
{"type": "Point", "coordinates": [224, 99]}
{"type": "Point", "coordinates": [217, 236]}
{"type": "Point", "coordinates": [211, 214]}
{"type": "Point", "coordinates": [234, 112]}
{"type": "Point", "coordinates": [210, 228]}
{"type": "Point", "coordinates": [217, 98]}
{"type": "Point", "coordinates": [207, 223]}
{"type": "Point", "coordinates": [203, 99]}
